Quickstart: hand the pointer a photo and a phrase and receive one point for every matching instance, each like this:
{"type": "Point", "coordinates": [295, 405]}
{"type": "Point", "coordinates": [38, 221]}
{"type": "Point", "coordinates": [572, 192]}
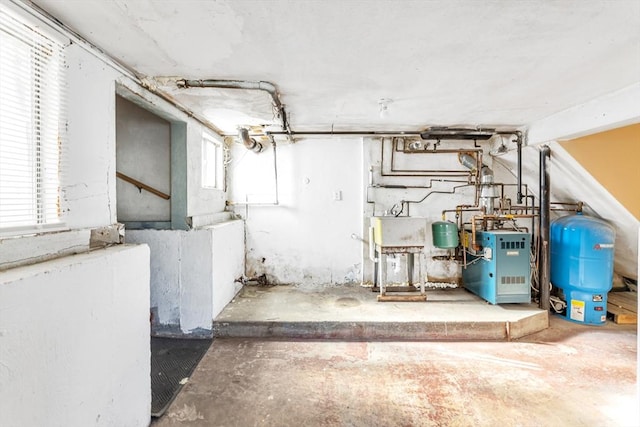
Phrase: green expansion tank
{"type": "Point", "coordinates": [445, 234]}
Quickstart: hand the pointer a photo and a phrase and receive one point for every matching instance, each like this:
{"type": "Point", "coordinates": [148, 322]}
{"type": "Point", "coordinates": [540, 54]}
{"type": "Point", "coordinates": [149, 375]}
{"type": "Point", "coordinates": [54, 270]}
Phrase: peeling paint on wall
{"type": "Point", "coordinates": [306, 239]}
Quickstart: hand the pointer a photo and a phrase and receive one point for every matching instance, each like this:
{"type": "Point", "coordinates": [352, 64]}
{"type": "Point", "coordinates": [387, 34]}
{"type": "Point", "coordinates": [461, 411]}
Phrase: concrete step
{"type": "Point", "coordinates": [352, 313]}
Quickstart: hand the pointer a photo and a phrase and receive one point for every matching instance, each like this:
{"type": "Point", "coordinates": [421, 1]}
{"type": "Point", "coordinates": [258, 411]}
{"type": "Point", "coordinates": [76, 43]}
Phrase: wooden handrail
{"type": "Point", "coordinates": [142, 186]}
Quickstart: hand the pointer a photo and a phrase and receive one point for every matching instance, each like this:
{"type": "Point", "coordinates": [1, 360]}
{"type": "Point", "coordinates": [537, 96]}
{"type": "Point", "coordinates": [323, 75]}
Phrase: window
{"type": "Point", "coordinates": [212, 163]}
{"type": "Point", "coordinates": [31, 115]}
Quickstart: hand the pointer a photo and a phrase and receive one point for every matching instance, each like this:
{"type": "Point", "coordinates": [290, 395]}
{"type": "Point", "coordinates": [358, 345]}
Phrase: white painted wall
{"type": "Point", "coordinates": [196, 282]}
{"type": "Point", "coordinates": [165, 247]}
{"type": "Point", "coordinates": [192, 275]}
{"type": "Point", "coordinates": [306, 238]}
{"type": "Point", "coordinates": [74, 341]}
{"type": "Point", "coordinates": [89, 186]}
{"type": "Point", "coordinates": [143, 152]}
{"type": "Point", "coordinates": [228, 262]}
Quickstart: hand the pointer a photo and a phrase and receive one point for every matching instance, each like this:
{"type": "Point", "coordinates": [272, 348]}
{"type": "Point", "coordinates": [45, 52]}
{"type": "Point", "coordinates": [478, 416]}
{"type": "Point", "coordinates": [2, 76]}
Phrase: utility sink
{"type": "Point", "coordinates": [391, 231]}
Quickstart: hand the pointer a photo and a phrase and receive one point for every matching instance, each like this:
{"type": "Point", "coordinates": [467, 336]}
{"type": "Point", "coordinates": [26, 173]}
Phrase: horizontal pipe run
{"type": "Point", "coordinates": [416, 173]}
{"type": "Point", "coordinates": [477, 218]}
{"type": "Point", "coordinates": [357, 133]}
{"type": "Point", "coordinates": [432, 172]}
{"type": "Point", "coordinates": [410, 187]}
{"type": "Point", "coordinates": [229, 84]}
{"type": "Point", "coordinates": [453, 190]}
{"type": "Point", "coordinates": [347, 133]}
{"type": "Point", "coordinates": [457, 211]}
{"type": "Point", "coordinates": [429, 186]}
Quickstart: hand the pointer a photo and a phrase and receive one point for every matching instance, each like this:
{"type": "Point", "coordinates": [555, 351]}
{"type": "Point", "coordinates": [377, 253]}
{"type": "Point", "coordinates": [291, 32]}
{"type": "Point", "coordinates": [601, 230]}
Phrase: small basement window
{"type": "Point", "coordinates": [212, 163]}
{"type": "Point", "coordinates": [31, 120]}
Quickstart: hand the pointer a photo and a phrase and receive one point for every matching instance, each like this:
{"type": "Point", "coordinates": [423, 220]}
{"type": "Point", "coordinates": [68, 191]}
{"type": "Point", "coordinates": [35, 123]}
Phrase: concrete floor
{"type": "Point", "coordinates": [352, 312]}
{"type": "Point", "coordinates": [569, 374]}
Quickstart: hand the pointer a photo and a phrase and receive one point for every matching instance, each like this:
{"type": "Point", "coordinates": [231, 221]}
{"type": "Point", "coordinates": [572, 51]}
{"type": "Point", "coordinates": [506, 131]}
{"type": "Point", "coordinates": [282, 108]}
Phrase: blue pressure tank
{"type": "Point", "coordinates": [582, 250]}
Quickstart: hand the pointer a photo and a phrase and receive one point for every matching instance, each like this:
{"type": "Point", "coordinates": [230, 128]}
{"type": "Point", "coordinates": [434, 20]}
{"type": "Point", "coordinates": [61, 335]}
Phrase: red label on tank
{"type": "Point", "coordinates": [598, 308]}
{"type": "Point", "coordinates": [599, 246]}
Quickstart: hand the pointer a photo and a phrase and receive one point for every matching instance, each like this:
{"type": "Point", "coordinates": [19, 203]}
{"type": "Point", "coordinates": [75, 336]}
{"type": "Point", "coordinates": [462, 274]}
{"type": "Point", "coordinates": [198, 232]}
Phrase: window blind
{"type": "Point", "coordinates": [32, 113]}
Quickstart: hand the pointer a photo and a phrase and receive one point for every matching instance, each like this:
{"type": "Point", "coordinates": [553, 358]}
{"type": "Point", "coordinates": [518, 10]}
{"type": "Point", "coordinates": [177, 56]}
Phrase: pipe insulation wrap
{"type": "Point", "coordinates": [250, 143]}
{"type": "Point", "coordinates": [230, 84]}
{"type": "Point", "coordinates": [469, 161]}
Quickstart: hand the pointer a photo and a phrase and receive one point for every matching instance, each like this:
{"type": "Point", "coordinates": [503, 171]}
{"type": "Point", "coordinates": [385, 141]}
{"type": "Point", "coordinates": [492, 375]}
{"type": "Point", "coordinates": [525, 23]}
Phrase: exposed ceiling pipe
{"type": "Point", "coordinates": [268, 87]}
{"type": "Point", "coordinates": [429, 134]}
{"type": "Point", "coordinates": [250, 143]}
{"type": "Point", "coordinates": [347, 133]}
{"type": "Point", "coordinates": [439, 133]}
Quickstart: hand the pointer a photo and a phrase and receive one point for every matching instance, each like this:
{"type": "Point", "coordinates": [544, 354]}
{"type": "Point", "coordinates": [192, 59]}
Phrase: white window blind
{"type": "Point", "coordinates": [31, 119]}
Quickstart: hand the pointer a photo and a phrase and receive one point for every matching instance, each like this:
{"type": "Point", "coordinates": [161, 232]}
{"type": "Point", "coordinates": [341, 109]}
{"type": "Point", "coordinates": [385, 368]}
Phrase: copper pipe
{"type": "Point", "coordinates": [484, 218]}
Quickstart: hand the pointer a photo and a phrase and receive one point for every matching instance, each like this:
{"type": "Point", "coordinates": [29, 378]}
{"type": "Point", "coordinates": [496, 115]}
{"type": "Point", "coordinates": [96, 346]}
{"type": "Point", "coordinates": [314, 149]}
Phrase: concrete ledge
{"type": "Point", "coordinates": [385, 331]}
{"type": "Point", "coordinates": [352, 314]}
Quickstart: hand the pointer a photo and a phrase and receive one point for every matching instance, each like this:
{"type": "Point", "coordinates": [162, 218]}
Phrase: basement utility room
{"type": "Point", "coordinates": [286, 213]}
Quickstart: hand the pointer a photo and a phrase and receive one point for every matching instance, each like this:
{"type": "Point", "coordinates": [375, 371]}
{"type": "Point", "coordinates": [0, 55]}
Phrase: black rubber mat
{"type": "Point", "coordinates": [172, 361]}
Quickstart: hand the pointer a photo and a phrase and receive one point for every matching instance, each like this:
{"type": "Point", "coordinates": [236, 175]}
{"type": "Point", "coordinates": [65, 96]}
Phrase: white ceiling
{"type": "Point", "coordinates": [442, 62]}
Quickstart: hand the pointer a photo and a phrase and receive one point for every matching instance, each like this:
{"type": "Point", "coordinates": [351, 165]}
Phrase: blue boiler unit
{"type": "Point", "coordinates": [502, 274]}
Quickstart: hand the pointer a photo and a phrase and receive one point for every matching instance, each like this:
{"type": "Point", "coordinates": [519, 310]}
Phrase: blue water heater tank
{"type": "Point", "coordinates": [582, 250]}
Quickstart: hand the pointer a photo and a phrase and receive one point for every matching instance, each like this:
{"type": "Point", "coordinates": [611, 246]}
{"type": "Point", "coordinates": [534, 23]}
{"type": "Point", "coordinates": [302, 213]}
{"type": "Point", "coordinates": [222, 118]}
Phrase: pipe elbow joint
{"type": "Point", "coordinates": [248, 142]}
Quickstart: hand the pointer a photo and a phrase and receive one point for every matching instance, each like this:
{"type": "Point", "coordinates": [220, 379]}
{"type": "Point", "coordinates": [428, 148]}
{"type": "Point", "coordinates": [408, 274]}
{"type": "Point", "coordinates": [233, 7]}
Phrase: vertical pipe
{"type": "Point", "coordinates": [382, 271]}
{"type": "Point", "coordinates": [410, 259]}
{"type": "Point", "coordinates": [519, 144]}
{"type": "Point", "coordinates": [544, 268]}
{"type": "Point", "coordinates": [373, 256]}
{"type": "Point", "coordinates": [275, 168]}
